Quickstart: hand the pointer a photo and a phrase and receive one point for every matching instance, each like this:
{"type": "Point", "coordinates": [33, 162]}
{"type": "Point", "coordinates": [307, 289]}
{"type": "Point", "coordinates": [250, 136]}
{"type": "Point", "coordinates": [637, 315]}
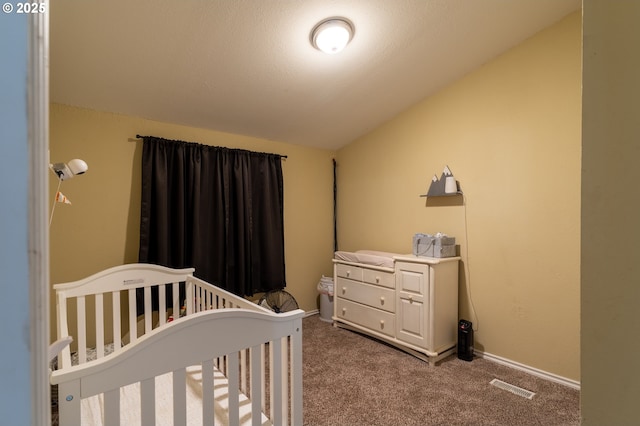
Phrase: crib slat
{"type": "Point", "coordinates": [256, 388]}
{"type": "Point", "coordinates": [284, 379]}
{"type": "Point", "coordinates": [162, 304]}
{"type": "Point", "coordinates": [275, 382]}
{"type": "Point", "coordinates": [148, 401]}
{"type": "Point", "coordinates": [209, 301]}
{"type": "Point", "coordinates": [82, 330]}
{"type": "Point", "coordinates": [208, 414]}
{"type": "Point", "coordinates": [63, 330]}
{"type": "Point", "coordinates": [243, 371]}
{"type": "Point", "coordinates": [263, 382]}
{"type": "Point", "coordinates": [99, 300]}
{"type": "Point", "coordinates": [233, 391]}
{"type": "Point", "coordinates": [148, 310]}
{"type": "Point", "coordinates": [133, 326]}
{"type": "Point", "coordinates": [198, 299]}
{"type": "Point", "coordinates": [203, 299]}
{"type": "Point", "coordinates": [176, 300]}
{"type": "Point", "coordinates": [202, 302]}
{"type": "Point", "coordinates": [180, 397]}
{"type": "Point", "coordinates": [112, 408]}
{"type": "Point", "coordinates": [117, 332]}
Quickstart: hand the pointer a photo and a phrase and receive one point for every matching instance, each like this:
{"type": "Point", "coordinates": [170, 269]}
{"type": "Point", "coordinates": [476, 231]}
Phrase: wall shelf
{"type": "Point", "coordinates": [442, 195]}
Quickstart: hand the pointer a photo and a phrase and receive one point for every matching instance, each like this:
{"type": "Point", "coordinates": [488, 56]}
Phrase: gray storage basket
{"type": "Point", "coordinates": [423, 245]}
{"type": "Point", "coordinates": [426, 245]}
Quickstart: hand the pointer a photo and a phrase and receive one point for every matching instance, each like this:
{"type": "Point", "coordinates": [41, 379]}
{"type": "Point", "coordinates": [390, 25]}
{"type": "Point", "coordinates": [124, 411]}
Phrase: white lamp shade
{"type": "Point", "coordinates": [77, 166]}
{"type": "Point", "coordinates": [332, 35]}
{"type": "Point", "coordinates": [68, 170]}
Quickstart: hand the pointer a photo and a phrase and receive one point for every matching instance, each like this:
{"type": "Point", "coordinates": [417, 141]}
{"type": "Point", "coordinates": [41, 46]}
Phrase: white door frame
{"type": "Point", "coordinates": [38, 142]}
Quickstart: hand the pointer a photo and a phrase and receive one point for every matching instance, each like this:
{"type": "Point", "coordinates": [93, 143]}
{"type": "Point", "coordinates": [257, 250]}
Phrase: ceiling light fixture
{"type": "Point", "coordinates": [332, 34]}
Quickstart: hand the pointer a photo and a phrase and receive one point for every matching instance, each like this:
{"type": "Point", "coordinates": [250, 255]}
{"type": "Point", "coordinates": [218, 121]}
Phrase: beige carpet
{"type": "Point", "coordinates": [350, 379]}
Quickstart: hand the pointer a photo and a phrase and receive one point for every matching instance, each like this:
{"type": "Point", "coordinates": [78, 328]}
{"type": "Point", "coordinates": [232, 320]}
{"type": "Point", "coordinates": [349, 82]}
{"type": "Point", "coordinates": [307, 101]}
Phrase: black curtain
{"type": "Point", "coordinates": [216, 209]}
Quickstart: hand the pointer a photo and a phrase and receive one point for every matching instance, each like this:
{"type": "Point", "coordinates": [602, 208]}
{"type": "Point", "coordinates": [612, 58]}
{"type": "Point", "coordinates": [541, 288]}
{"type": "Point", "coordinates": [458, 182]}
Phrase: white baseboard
{"type": "Point", "coordinates": [531, 370]}
{"type": "Point", "coordinates": [310, 313]}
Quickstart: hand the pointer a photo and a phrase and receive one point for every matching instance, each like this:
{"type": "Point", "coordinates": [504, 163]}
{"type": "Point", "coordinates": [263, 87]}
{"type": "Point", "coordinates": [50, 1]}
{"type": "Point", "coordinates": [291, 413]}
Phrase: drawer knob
{"type": "Point", "coordinates": [377, 280]}
{"type": "Point", "coordinates": [381, 323]}
{"type": "Point", "coordinates": [382, 300]}
{"type": "Point", "coordinates": [344, 311]}
{"type": "Point", "coordinates": [344, 290]}
{"type": "Point", "coordinates": [348, 273]}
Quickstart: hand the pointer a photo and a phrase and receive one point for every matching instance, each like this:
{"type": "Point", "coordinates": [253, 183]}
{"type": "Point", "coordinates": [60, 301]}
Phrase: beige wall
{"type": "Point", "coordinates": [510, 132]}
{"type": "Point", "coordinates": [101, 228]}
{"type": "Point", "coordinates": [610, 211]}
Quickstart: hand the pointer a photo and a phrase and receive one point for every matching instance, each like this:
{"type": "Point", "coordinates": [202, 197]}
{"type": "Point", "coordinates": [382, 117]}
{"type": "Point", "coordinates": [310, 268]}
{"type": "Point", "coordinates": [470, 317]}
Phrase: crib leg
{"type": "Point", "coordinates": [69, 403]}
{"type": "Point", "coordinates": [296, 374]}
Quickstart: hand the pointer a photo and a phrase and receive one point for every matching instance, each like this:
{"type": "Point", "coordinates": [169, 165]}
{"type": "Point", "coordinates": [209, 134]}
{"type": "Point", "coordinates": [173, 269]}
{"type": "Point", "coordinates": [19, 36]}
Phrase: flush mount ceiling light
{"type": "Point", "coordinates": [332, 35]}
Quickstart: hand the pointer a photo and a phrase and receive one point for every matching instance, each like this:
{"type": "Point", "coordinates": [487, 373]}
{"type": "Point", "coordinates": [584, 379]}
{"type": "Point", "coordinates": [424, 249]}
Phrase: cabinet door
{"type": "Point", "coordinates": [412, 286]}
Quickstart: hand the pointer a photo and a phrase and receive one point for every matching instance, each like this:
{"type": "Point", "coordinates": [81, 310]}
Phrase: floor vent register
{"type": "Point", "coordinates": [513, 389]}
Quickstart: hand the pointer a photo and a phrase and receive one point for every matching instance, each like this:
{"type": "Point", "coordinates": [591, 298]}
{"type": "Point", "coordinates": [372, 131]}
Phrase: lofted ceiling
{"type": "Point", "coordinates": [247, 66]}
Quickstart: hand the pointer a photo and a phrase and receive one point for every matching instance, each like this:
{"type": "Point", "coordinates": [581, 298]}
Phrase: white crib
{"type": "Point", "coordinates": [219, 359]}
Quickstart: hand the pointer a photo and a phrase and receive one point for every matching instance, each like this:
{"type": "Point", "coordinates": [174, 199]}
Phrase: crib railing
{"type": "Point", "coordinates": [278, 365]}
{"type": "Point", "coordinates": [207, 296]}
{"type": "Point", "coordinates": [95, 311]}
{"type": "Point", "coordinates": [154, 355]}
{"type": "Point", "coordinates": [116, 307]}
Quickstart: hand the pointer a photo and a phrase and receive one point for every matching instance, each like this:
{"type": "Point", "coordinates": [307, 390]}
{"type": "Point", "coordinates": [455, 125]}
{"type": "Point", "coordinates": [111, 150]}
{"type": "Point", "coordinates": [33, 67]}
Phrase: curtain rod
{"type": "Point", "coordinates": [142, 137]}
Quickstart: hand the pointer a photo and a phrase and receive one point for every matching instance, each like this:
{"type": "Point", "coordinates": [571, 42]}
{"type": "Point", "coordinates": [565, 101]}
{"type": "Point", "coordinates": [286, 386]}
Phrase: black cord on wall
{"type": "Point", "coordinates": [335, 208]}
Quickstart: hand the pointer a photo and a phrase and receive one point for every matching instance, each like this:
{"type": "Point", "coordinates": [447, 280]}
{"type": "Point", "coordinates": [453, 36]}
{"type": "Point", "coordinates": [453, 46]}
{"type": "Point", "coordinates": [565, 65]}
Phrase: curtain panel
{"type": "Point", "coordinates": [216, 209]}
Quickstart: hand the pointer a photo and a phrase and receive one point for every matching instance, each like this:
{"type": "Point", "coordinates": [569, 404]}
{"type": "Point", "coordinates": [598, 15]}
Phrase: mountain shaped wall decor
{"type": "Point", "coordinates": [446, 185]}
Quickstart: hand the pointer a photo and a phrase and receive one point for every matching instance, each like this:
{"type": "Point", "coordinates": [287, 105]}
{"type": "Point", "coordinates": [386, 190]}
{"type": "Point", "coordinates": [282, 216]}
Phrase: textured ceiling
{"type": "Point", "coordinates": [247, 66]}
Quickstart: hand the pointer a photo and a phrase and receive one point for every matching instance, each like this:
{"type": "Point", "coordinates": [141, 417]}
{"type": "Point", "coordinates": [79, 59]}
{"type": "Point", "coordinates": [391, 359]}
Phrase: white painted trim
{"type": "Point", "coordinates": [530, 370]}
{"type": "Point", "coordinates": [308, 314]}
{"type": "Point", "coordinates": [38, 141]}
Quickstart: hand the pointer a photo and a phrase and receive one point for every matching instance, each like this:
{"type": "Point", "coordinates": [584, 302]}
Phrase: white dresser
{"type": "Point", "coordinates": [412, 305]}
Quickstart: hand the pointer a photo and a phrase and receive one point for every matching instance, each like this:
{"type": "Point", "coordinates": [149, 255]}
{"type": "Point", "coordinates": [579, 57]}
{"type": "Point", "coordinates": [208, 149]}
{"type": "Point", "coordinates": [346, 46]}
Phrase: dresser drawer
{"type": "Point", "coordinates": [371, 295]}
{"type": "Point", "coordinates": [349, 271]}
{"type": "Point", "coordinates": [385, 279]}
{"type": "Point", "coordinates": [371, 318]}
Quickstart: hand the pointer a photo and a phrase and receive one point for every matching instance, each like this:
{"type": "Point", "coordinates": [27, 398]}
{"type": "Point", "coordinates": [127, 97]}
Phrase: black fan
{"type": "Point", "coordinates": [278, 301]}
